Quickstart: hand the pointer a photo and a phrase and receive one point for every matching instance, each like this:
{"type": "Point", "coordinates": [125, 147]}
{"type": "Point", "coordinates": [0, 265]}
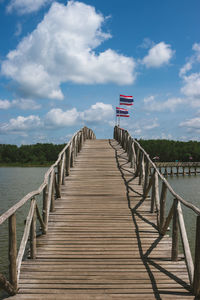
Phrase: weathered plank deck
{"type": "Point", "coordinates": [102, 242]}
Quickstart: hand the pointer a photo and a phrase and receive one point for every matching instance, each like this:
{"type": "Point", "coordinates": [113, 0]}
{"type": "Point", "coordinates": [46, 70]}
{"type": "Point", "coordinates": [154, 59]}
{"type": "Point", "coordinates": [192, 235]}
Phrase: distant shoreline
{"type": "Point", "coordinates": [24, 165]}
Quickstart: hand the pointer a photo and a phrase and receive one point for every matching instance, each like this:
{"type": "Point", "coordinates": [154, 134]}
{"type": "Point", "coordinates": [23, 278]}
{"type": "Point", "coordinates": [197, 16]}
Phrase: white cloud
{"type": "Point", "coordinates": [26, 6]}
{"type": "Point", "coordinates": [4, 104]}
{"type": "Point", "coordinates": [191, 82]}
{"type": "Point", "coordinates": [61, 49]}
{"type": "Point", "coordinates": [25, 104]}
{"type": "Point", "coordinates": [191, 60]}
{"type": "Point", "coordinates": [191, 86]}
{"type": "Point", "coordinates": [196, 48]}
{"type": "Point", "coordinates": [21, 124]}
{"type": "Point", "coordinates": [98, 112]}
{"type": "Point", "coordinates": [56, 117]}
{"type": "Point", "coordinates": [18, 30]}
{"type": "Point", "coordinates": [187, 67]}
{"type": "Point", "coordinates": [150, 104]}
{"type": "Point", "coordinates": [192, 124]}
{"type": "Point", "coordinates": [146, 43]}
{"type": "Point", "coordinates": [158, 55]}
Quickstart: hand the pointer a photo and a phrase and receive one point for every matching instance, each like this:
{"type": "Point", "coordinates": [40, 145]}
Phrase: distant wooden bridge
{"type": "Point", "coordinates": [178, 168]}
{"type": "Point", "coordinates": [104, 229]}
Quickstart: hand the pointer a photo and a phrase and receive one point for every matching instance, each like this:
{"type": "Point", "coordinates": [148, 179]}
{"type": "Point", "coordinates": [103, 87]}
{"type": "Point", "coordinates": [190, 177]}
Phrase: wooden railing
{"type": "Point", "coordinates": [141, 163]}
{"type": "Point", "coordinates": [50, 190]}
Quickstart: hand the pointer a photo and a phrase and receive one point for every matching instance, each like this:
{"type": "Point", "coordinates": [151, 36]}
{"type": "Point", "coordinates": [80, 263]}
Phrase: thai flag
{"type": "Point", "coordinates": [126, 100]}
{"type": "Point", "coordinates": [122, 112]}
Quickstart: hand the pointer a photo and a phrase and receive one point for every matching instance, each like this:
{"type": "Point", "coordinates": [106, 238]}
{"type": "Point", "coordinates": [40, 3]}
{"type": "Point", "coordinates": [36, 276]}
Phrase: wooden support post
{"type": "Point", "coordinates": [146, 178]}
{"type": "Point", "coordinates": [183, 171]}
{"type": "Point", "coordinates": [133, 162]}
{"type": "Point", "coordinates": [12, 251]}
{"type": "Point", "coordinates": [130, 151]}
{"type": "Point", "coordinates": [189, 170]}
{"type": "Point", "coordinates": [141, 167]}
{"type": "Point", "coordinates": [153, 193]}
{"type": "Point", "coordinates": [59, 179]}
{"type": "Point", "coordinates": [33, 234]}
{"type": "Point", "coordinates": [162, 205]}
{"type": "Point", "coordinates": [195, 170]}
{"type": "Point", "coordinates": [52, 207]}
{"type": "Point", "coordinates": [174, 253]}
{"type": "Point", "coordinates": [57, 191]}
{"type": "Point", "coordinates": [171, 173]}
{"type": "Point", "coordinates": [157, 200]}
{"type": "Point", "coordinates": [44, 211]}
{"type": "Point", "coordinates": [67, 162]}
{"type": "Point", "coordinates": [196, 283]}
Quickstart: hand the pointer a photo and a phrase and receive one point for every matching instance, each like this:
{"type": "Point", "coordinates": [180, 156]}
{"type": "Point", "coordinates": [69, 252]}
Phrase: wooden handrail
{"type": "Point", "coordinates": [138, 158]}
{"type": "Point", "coordinates": [50, 188]}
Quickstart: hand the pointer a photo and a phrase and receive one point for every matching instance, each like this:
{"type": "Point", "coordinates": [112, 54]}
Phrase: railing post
{"type": "Point", "coordinates": [59, 179]}
{"type": "Point", "coordinates": [72, 154]}
{"type": "Point", "coordinates": [146, 178]}
{"type": "Point", "coordinates": [13, 251]}
{"type": "Point", "coordinates": [52, 207]}
{"type": "Point", "coordinates": [153, 193]}
{"type": "Point", "coordinates": [162, 205]}
{"type": "Point", "coordinates": [141, 167]}
{"type": "Point", "coordinates": [33, 234]}
{"type": "Point", "coordinates": [67, 167]}
{"type": "Point", "coordinates": [44, 210]}
{"type": "Point", "coordinates": [58, 195]}
{"type": "Point", "coordinates": [174, 254]}
{"type": "Point", "coordinates": [196, 283]}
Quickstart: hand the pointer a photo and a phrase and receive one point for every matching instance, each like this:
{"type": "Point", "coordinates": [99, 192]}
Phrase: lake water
{"type": "Point", "coordinates": [17, 182]}
{"type": "Point", "coordinates": [14, 184]}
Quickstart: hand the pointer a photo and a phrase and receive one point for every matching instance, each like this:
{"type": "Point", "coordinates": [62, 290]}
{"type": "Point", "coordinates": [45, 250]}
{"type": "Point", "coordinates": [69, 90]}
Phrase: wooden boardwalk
{"type": "Point", "coordinates": [102, 242]}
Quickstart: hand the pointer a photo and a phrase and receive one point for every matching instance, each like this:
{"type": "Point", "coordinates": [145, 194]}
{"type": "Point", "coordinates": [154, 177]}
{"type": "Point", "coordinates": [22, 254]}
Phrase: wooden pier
{"type": "Point", "coordinates": [178, 168]}
{"type": "Point", "coordinates": [103, 239]}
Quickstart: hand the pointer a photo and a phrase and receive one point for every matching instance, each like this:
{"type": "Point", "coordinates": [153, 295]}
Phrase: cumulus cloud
{"type": "Point", "coordinates": [98, 112]}
{"type": "Point", "coordinates": [21, 124]}
{"type": "Point", "coordinates": [191, 60]}
{"type": "Point", "coordinates": [159, 55]}
{"type": "Point", "coordinates": [191, 82]}
{"type": "Point", "coordinates": [191, 86]}
{"type": "Point", "coordinates": [59, 118]}
{"type": "Point", "coordinates": [191, 124]}
{"type": "Point", "coordinates": [26, 6]}
{"type": "Point", "coordinates": [151, 104]}
{"type": "Point", "coordinates": [62, 49]}
{"type": "Point", "coordinates": [4, 104]}
{"type": "Point", "coordinates": [24, 104]}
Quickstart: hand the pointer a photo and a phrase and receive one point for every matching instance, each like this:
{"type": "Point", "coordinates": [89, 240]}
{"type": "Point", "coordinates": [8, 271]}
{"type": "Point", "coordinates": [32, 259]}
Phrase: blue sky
{"type": "Point", "coordinates": [64, 64]}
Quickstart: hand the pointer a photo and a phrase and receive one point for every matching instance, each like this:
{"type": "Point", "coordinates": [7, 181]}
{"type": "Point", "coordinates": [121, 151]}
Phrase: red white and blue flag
{"type": "Point", "coordinates": [122, 112]}
{"type": "Point", "coordinates": [125, 100]}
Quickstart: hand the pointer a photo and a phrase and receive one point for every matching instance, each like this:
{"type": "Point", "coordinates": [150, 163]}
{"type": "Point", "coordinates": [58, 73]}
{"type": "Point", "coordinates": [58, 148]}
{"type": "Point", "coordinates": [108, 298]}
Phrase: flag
{"type": "Point", "coordinates": [122, 112]}
{"type": "Point", "coordinates": [125, 100]}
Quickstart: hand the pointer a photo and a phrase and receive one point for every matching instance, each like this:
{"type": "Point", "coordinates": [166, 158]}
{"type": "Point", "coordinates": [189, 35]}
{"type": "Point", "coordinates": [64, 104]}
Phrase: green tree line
{"type": "Point", "coordinates": [169, 150]}
{"type": "Point", "coordinates": [38, 154]}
